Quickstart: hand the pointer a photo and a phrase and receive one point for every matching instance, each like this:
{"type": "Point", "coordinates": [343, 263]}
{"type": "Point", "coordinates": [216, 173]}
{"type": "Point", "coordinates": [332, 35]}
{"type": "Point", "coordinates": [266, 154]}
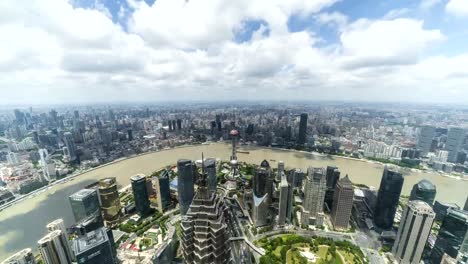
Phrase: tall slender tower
{"type": "Point", "coordinates": [314, 196]}
{"type": "Point", "coordinates": [185, 187]}
{"type": "Point", "coordinates": [303, 129]}
{"type": "Point", "coordinates": [24, 256]}
{"type": "Point", "coordinates": [283, 201]}
{"type": "Point", "coordinates": [342, 203]}
{"type": "Point", "coordinates": [205, 236]}
{"type": "Point", "coordinates": [53, 248]}
{"type": "Point", "coordinates": [387, 198]}
{"type": "Point", "coordinates": [110, 201]}
{"type": "Point", "coordinates": [415, 227]}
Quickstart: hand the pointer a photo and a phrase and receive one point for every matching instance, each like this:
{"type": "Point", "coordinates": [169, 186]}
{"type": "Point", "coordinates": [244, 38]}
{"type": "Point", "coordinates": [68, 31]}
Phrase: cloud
{"type": "Point", "coordinates": [457, 8]}
{"type": "Point", "coordinates": [428, 4]}
{"type": "Point", "coordinates": [52, 51]}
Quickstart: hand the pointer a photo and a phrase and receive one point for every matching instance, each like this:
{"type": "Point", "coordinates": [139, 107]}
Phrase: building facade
{"type": "Point", "coordinates": [163, 191]}
{"type": "Point", "coordinates": [333, 174]}
{"type": "Point", "coordinates": [94, 247]}
{"type": "Point", "coordinates": [53, 248]}
{"type": "Point", "coordinates": [110, 201]}
{"type": "Point", "coordinates": [185, 184]}
{"type": "Point", "coordinates": [453, 236]}
{"type": "Point", "coordinates": [140, 193]}
{"type": "Point", "coordinates": [314, 196]}
{"type": "Point", "coordinates": [387, 198]}
{"type": "Point", "coordinates": [424, 191]}
{"type": "Point", "coordinates": [426, 135]}
{"type": "Point", "coordinates": [283, 200]}
{"type": "Point", "coordinates": [415, 227]}
{"type": "Point", "coordinates": [342, 203]}
{"type": "Point", "coordinates": [86, 208]}
{"type": "Point", "coordinates": [302, 129]}
{"type": "Point", "coordinates": [454, 142]}
{"type": "Point", "coordinates": [24, 256]}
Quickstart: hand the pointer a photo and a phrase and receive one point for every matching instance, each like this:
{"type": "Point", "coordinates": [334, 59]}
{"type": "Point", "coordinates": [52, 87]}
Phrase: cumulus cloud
{"type": "Point", "coordinates": [52, 51]}
{"type": "Point", "coordinates": [457, 7]}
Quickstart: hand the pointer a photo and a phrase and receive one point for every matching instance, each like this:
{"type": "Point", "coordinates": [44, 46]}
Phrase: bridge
{"type": "Point", "coordinates": [260, 251]}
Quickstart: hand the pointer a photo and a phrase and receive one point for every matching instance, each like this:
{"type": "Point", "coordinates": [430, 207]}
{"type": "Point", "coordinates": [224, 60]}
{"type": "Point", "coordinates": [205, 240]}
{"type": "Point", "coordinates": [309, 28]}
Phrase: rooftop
{"type": "Point", "coordinates": [81, 194]}
{"type": "Point", "coordinates": [89, 240]}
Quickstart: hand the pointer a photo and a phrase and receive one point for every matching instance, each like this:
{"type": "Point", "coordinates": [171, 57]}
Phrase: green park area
{"type": "Point", "coordinates": [142, 226]}
{"type": "Point", "coordinates": [301, 250]}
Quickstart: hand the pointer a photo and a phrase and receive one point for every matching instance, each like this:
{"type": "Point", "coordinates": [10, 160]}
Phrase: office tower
{"type": "Point", "coordinates": [95, 247]}
{"type": "Point", "coordinates": [130, 135]}
{"type": "Point", "coordinates": [59, 225]}
{"type": "Point", "coordinates": [185, 186]}
{"type": "Point", "coordinates": [333, 174]}
{"type": "Point", "coordinates": [387, 198]}
{"type": "Point", "coordinates": [453, 236]}
{"type": "Point", "coordinates": [466, 205]}
{"type": "Point", "coordinates": [454, 142]}
{"type": "Point", "coordinates": [179, 124]}
{"type": "Point", "coordinates": [260, 210]}
{"type": "Point", "coordinates": [173, 125]}
{"type": "Point", "coordinates": [342, 203]}
{"type": "Point", "coordinates": [298, 178]}
{"type": "Point", "coordinates": [426, 135]}
{"type": "Point", "coordinates": [163, 191]}
{"type": "Point", "coordinates": [210, 168]}
{"type": "Point", "coordinates": [70, 144]}
{"type": "Point", "coordinates": [290, 208]}
{"type": "Point", "coordinates": [314, 196]}
{"type": "Point", "coordinates": [280, 171]}
{"type": "Point", "coordinates": [283, 201]}
{"type": "Point", "coordinates": [86, 209]}
{"type": "Point", "coordinates": [425, 191]}
{"type": "Point", "coordinates": [441, 208]}
{"type": "Point", "coordinates": [205, 234]}
{"type": "Point", "coordinates": [110, 201]}
{"type": "Point", "coordinates": [415, 227]}
{"type": "Point", "coordinates": [303, 129]}
{"type": "Point", "coordinates": [53, 248]}
{"type": "Point", "coordinates": [24, 256]}
{"type": "Point", "coordinates": [140, 193]}
{"type": "Point", "coordinates": [263, 182]}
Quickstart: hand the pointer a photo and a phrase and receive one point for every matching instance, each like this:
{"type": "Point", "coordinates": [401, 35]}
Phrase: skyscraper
{"type": "Point", "coordinates": [185, 186]}
{"type": "Point", "coordinates": [140, 193]}
{"type": "Point", "coordinates": [426, 135]}
{"type": "Point", "coordinates": [425, 191]}
{"type": "Point", "coordinates": [163, 191]}
{"type": "Point", "coordinates": [290, 209]}
{"type": "Point", "coordinates": [387, 198]}
{"type": "Point", "coordinates": [210, 167]}
{"type": "Point", "coordinates": [415, 227]}
{"type": "Point", "coordinates": [303, 128]}
{"type": "Point", "coordinates": [94, 247]}
{"type": "Point", "coordinates": [110, 201]}
{"type": "Point", "coordinates": [314, 196]}
{"type": "Point", "coordinates": [70, 144]}
{"type": "Point", "coordinates": [280, 171]}
{"type": "Point", "coordinates": [24, 256]}
{"type": "Point", "coordinates": [283, 201]}
{"type": "Point", "coordinates": [260, 210]}
{"type": "Point", "coordinates": [59, 225]}
{"type": "Point", "coordinates": [342, 203]}
{"type": "Point", "coordinates": [205, 236]}
{"type": "Point", "coordinates": [263, 182]}
{"type": "Point", "coordinates": [454, 142]}
{"type": "Point", "coordinates": [333, 174]}
{"type": "Point", "coordinates": [453, 236]}
{"type": "Point", "coordinates": [53, 248]}
{"type": "Point", "coordinates": [86, 209]}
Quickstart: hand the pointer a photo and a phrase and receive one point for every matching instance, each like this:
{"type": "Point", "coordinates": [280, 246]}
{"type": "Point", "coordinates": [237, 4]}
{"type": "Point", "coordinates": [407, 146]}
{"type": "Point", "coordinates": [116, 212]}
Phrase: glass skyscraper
{"type": "Point", "coordinates": [303, 128]}
{"type": "Point", "coordinates": [86, 209]}
{"type": "Point", "coordinates": [453, 236]}
{"type": "Point", "coordinates": [185, 184]}
{"type": "Point", "coordinates": [454, 142]}
{"type": "Point", "coordinates": [424, 191]}
{"type": "Point", "coordinates": [426, 135]}
{"type": "Point", "coordinates": [387, 198]}
{"type": "Point", "coordinates": [140, 193]}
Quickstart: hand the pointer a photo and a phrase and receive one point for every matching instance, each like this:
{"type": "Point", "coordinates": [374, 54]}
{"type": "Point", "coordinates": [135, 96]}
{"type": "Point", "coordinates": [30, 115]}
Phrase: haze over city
{"type": "Point", "coordinates": [84, 51]}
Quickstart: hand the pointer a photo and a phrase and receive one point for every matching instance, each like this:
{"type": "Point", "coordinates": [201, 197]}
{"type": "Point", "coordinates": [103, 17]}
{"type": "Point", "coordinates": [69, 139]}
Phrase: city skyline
{"type": "Point", "coordinates": [139, 51]}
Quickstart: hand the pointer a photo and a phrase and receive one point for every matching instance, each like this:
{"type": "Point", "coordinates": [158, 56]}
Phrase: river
{"type": "Point", "coordinates": [23, 223]}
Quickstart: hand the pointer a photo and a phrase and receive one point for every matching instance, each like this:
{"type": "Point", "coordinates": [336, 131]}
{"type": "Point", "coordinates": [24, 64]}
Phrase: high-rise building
{"type": "Point", "coordinates": [179, 124]}
{"type": "Point", "coordinates": [110, 201]}
{"type": "Point", "coordinates": [290, 208]}
{"type": "Point", "coordinates": [466, 205]}
{"type": "Point", "coordinates": [314, 196]}
{"type": "Point", "coordinates": [59, 225]}
{"type": "Point", "coordinates": [260, 210]}
{"type": "Point", "coordinates": [70, 144]}
{"type": "Point", "coordinates": [333, 174]}
{"type": "Point", "coordinates": [185, 185]}
{"type": "Point", "coordinates": [12, 158]}
{"type": "Point", "coordinates": [387, 198]}
{"type": "Point", "coordinates": [415, 227]}
{"type": "Point", "coordinates": [342, 203]}
{"type": "Point", "coordinates": [140, 193]}
{"type": "Point", "coordinates": [303, 128]}
{"type": "Point", "coordinates": [86, 209]}
{"type": "Point", "coordinates": [425, 191]}
{"type": "Point", "coordinates": [280, 171]}
{"type": "Point", "coordinates": [283, 200]}
{"type": "Point", "coordinates": [163, 191]}
{"type": "Point", "coordinates": [453, 236]}
{"type": "Point", "coordinates": [454, 142]}
{"type": "Point", "coordinates": [205, 236]}
{"type": "Point", "coordinates": [53, 248]}
{"type": "Point", "coordinates": [24, 256]}
{"type": "Point", "coordinates": [426, 135]}
{"type": "Point", "coordinates": [263, 182]}
{"type": "Point", "coordinates": [210, 167]}
{"type": "Point", "coordinates": [94, 247]}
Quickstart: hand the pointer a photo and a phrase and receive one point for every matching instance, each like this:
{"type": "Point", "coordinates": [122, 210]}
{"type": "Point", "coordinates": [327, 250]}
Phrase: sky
{"type": "Point", "coordinates": [89, 51]}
